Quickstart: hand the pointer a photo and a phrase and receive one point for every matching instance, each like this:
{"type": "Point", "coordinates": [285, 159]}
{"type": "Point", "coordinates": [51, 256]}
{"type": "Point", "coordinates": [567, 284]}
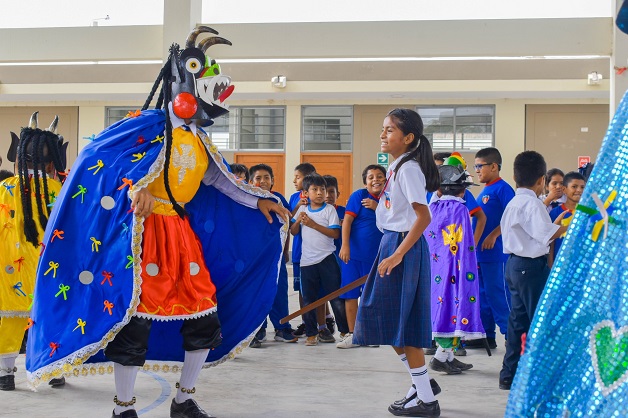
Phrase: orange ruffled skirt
{"type": "Point", "coordinates": [175, 279]}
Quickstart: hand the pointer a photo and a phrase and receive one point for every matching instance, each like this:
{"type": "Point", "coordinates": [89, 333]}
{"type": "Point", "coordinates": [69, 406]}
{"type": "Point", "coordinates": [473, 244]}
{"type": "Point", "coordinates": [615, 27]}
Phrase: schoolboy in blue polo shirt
{"type": "Point", "coordinates": [527, 233]}
{"type": "Point", "coordinates": [494, 293]}
{"type": "Point", "coordinates": [261, 175]}
{"type": "Point", "coordinates": [573, 186]}
{"type": "Point", "coordinates": [360, 238]}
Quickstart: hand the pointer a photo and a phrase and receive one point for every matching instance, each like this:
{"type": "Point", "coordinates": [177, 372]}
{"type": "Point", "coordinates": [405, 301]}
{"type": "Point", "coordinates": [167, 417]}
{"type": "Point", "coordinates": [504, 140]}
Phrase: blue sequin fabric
{"type": "Point", "coordinates": [576, 355]}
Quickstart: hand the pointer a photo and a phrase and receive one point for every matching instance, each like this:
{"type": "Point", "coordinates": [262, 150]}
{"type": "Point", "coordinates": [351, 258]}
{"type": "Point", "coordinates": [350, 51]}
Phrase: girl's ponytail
{"type": "Point", "coordinates": [409, 121]}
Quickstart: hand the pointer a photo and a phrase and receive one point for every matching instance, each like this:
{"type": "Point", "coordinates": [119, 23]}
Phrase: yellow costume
{"type": "Point", "coordinates": [18, 262]}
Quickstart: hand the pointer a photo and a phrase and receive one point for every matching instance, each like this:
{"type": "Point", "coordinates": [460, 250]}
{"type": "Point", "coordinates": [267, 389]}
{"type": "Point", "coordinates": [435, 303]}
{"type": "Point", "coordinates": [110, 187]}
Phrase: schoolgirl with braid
{"type": "Point", "coordinates": [395, 304]}
{"type": "Point", "coordinates": [25, 204]}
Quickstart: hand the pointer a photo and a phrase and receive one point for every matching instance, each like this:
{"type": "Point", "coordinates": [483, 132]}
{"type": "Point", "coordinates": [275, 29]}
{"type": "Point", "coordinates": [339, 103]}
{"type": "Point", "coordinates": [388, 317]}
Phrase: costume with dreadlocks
{"type": "Point", "coordinates": [140, 288]}
{"type": "Point", "coordinates": [25, 202]}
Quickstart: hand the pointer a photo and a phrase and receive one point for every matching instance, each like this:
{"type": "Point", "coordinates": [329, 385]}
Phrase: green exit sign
{"type": "Point", "coordinates": [382, 159]}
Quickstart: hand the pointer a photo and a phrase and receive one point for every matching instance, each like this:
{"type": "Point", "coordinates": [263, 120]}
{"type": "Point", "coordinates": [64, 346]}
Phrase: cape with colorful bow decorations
{"type": "Point", "coordinates": [88, 281]}
{"type": "Point", "coordinates": [576, 352]}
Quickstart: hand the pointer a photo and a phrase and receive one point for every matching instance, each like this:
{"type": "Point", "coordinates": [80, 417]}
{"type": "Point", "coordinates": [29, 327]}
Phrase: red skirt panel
{"type": "Point", "coordinates": [175, 279]}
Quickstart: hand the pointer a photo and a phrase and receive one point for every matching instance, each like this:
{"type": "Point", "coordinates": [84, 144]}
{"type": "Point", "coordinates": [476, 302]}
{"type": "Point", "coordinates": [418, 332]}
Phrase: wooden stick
{"type": "Point", "coordinates": [319, 302]}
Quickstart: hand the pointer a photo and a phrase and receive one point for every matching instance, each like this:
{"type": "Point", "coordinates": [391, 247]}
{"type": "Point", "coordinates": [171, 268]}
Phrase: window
{"type": "Point", "coordinates": [250, 128]}
{"type": "Point", "coordinates": [114, 114]}
{"type": "Point", "coordinates": [327, 128]}
{"type": "Point", "coordinates": [243, 128]}
{"type": "Point", "coordinates": [459, 128]}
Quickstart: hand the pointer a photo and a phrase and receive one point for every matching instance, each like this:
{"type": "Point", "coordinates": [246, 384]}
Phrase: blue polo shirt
{"type": "Point", "coordinates": [285, 204]}
{"type": "Point", "coordinates": [365, 237]}
{"type": "Point", "coordinates": [553, 215]}
{"type": "Point", "coordinates": [340, 210]}
{"type": "Point", "coordinates": [297, 241]}
{"type": "Point", "coordinates": [493, 200]}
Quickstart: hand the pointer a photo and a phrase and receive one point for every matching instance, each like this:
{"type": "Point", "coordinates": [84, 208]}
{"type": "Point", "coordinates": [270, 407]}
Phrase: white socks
{"type": "Point", "coordinates": [125, 382]}
{"type": "Point", "coordinates": [450, 356]}
{"type": "Point", "coordinates": [7, 363]}
{"type": "Point", "coordinates": [192, 366]}
{"type": "Point", "coordinates": [404, 360]}
{"type": "Point", "coordinates": [421, 381]}
{"type": "Point", "coordinates": [442, 354]}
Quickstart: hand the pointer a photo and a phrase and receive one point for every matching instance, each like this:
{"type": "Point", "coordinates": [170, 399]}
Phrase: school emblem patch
{"type": "Point", "coordinates": [485, 199]}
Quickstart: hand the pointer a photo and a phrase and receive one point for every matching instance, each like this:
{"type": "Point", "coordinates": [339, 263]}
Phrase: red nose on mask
{"type": "Point", "coordinates": [184, 105]}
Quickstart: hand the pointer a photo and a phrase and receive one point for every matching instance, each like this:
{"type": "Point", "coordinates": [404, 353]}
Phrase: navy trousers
{"type": "Point", "coordinates": [526, 278]}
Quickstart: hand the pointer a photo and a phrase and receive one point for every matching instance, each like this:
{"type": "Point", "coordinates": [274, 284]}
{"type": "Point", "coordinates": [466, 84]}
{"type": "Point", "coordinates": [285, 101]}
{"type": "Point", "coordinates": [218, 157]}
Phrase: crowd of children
{"type": "Point", "coordinates": [457, 267]}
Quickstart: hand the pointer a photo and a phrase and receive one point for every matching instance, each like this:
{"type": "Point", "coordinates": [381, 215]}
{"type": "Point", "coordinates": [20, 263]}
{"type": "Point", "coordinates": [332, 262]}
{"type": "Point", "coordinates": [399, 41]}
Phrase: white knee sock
{"type": "Point", "coordinates": [7, 363]}
{"type": "Point", "coordinates": [421, 380]}
{"type": "Point", "coordinates": [125, 382]}
{"type": "Point", "coordinates": [450, 356]}
{"type": "Point", "coordinates": [192, 366]}
{"type": "Point", "coordinates": [442, 354]}
{"type": "Point", "coordinates": [404, 360]}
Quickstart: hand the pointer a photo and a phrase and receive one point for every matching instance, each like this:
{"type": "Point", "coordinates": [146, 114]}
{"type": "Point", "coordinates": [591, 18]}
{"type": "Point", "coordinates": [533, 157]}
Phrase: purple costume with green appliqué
{"type": "Point", "coordinates": [455, 288]}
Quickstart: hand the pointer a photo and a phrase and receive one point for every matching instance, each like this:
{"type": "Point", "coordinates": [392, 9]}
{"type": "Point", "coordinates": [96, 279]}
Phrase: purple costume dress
{"type": "Point", "coordinates": [455, 288]}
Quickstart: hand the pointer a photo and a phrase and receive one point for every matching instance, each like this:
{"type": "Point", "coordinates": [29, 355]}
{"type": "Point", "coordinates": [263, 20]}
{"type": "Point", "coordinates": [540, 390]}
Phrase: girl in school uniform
{"type": "Point", "coordinates": [395, 307]}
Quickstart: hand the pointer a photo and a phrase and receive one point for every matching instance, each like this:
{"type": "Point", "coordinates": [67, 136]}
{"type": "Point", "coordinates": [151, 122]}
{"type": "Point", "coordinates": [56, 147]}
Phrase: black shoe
{"type": "Point", "coordinates": [460, 365]}
{"type": "Point", "coordinates": [300, 331]}
{"type": "Point", "coordinates": [126, 414]}
{"type": "Point", "coordinates": [492, 344]}
{"type": "Point", "coordinates": [422, 409]}
{"type": "Point", "coordinates": [401, 402]}
{"type": "Point", "coordinates": [435, 388]}
{"type": "Point", "coordinates": [504, 384]}
{"type": "Point", "coordinates": [57, 383]}
{"type": "Point", "coordinates": [187, 409]}
{"type": "Point", "coordinates": [7, 382]}
{"type": "Point", "coordinates": [331, 324]}
{"type": "Point", "coordinates": [255, 343]}
{"type": "Point", "coordinates": [443, 366]}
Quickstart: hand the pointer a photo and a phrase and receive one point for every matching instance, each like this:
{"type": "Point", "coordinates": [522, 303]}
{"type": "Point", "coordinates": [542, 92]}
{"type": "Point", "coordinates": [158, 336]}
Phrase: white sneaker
{"type": "Point", "coordinates": [347, 342]}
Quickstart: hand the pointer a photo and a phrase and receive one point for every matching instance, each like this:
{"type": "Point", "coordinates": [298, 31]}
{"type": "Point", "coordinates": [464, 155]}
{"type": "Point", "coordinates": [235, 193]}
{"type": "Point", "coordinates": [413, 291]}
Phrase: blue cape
{"type": "Point", "coordinates": [576, 353]}
{"type": "Point", "coordinates": [100, 235]}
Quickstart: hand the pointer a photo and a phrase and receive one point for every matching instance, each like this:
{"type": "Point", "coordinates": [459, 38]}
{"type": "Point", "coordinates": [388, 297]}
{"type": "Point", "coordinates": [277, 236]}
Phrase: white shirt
{"type": "Point", "coordinates": [526, 226]}
{"type": "Point", "coordinates": [316, 245]}
{"type": "Point", "coordinates": [394, 211]}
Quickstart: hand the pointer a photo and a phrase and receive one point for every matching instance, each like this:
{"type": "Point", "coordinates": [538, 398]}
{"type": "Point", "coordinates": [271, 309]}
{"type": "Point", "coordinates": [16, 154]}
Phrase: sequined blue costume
{"type": "Point", "coordinates": [576, 355]}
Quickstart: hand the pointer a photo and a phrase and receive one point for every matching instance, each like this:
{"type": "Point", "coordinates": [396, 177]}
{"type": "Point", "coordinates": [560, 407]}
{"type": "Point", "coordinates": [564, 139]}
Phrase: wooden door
{"type": "Point", "coordinates": [276, 161]}
{"type": "Point", "coordinates": [337, 165]}
{"type": "Point", "coordinates": [562, 133]}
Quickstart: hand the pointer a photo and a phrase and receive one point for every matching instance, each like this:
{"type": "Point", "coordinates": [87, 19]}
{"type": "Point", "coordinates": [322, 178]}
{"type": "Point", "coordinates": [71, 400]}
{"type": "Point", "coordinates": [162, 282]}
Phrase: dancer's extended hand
{"type": "Point", "coordinates": [266, 206]}
{"type": "Point", "coordinates": [143, 203]}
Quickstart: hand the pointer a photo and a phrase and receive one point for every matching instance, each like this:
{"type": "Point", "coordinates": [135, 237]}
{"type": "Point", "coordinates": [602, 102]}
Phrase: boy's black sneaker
{"type": "Point", "coordinates": [7, 382]}
{"type": "Point", "coordinates": [255, 343]}
{"type": "Point", "coordinates": [422, 409]}
{"type": "Point", "coordinates": [504, 384]}
{"type": "Point", "coordinates": [331, 324]}
{"type": "Point", "coordinates": [261, 334]}
{"type": "Point", "coordinates": [300, 331]}
{"type": "Point", "coordinates": [460, 365]}
{"type": "Point", "coordinates": [443, 366]}
{"type": "Point", "coordinates": [325, 336]}
{"type": "Point", "coordinates": [187, 409]}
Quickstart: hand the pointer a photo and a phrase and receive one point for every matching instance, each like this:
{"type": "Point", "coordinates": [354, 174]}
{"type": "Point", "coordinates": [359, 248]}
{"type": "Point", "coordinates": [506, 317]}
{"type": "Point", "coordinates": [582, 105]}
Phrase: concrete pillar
{"type": "Point", "coordinates": [619, 58]}
{"type": "Point", "coordinates": [180, 17]}
{"type": "Point", "coordinates": [293, 145]}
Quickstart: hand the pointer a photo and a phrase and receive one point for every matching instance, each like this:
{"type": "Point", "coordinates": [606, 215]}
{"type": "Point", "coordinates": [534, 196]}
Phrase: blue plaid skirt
{"type": "Point", "coordinates": [395, 310]}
